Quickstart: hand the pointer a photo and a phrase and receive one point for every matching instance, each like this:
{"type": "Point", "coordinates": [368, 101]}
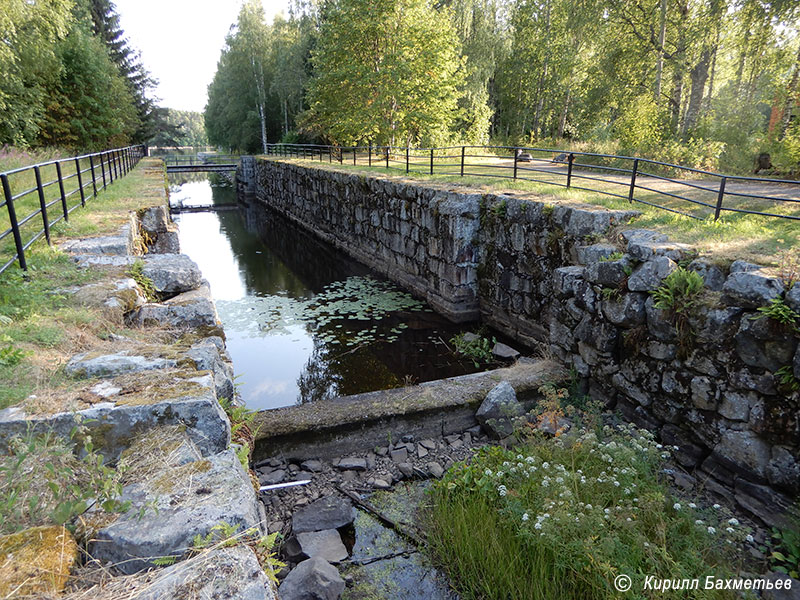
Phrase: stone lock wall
{"type": "Point", "coordinates": [545, 277]}
{"type": "Point", "coordinates": [541, 274]}
{"type": "Point", "coordinates": [425, 239]}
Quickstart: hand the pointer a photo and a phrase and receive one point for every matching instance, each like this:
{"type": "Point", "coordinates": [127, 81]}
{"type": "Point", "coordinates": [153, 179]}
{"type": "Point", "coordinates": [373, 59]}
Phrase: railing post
{"type": "Point", "coordinates": [570, 160]}
{"type": "Point", "coordinates": [720, 196]}
{"type": "Point", "coordinates": [388, 149]}
{"type": "Point", "coordinates": [61, 189]}
{"type": "Point", "coordinates": [102, 169]}
{"type": "Point", "coordinates": [369, 156]}
{"type": "Point", "coordinates": [516, 152]}
{"type": "Point", "coordinates": [431, 161]}
{"type": "Point", "coordinates": [406, 159]}
{"type": "Point", "coordinates": [115, 162]}
{"type": "Point", "coordinates": [80, 181]}
{"type": "Point", "coordinates": [354, 155]}
{"type": "Point", "coordinates": [463, 152]}
{"type": "Point", "coordinates": [12, 217]}
{"type": "Point", "coordinates": [42, 203]}
{"type": "Point", "coordinates": [634, 171]}
{"type": "Point", "coordinates": [94, 180]}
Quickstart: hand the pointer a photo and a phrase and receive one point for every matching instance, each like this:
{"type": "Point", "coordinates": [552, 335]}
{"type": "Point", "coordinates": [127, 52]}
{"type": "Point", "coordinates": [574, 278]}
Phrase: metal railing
{"type": "Point", "coordinates": [699, 195]}
{"type": "Point", "coordinates": [76, 179]}
{"type": "Point", "coordinates": [177, 160]}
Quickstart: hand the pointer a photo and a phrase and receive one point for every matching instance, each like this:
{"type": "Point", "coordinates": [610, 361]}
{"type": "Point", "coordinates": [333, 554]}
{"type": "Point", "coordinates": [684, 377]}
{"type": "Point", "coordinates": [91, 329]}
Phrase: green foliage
{"type": "Point", "coordinates": [499, 209]}
{"type": "Point", "coordinates": [267, 555]}
{"type": "Point", "coordinates": [785, 557]}
{"type": "Point", "coordinates": [221, 535]}
{"type": "Point", "coordinates": [478, 348]}
{"type": "Point", "coordinates": [10, 355]}
{"type": "Point", "coordinates": [136, 272]}
{"type": "Point", "coordinates": [386, 72]}
{"type": "Point", "coordinates": [787, 379]}
{"type": "Point", "coordinates": [779, 311]}
{"type": "Point", "coordinates": [679, 294]}
{"type": "Point", "coordinates": [679, 291]}
{"type": "Point", "coordinates": [613, 256]}
{"type": "Point", "coordinates": [165, 561]}
{"type": "Point", "coordinates": [42, 481]}
{"type": "Point", "coordinates": [560, 518]}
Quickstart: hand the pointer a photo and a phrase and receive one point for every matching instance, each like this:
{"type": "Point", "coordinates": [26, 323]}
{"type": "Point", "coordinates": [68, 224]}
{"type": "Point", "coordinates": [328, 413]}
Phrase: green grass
{"type": "Point", "coordinates": [29, 203]}
{"type": "Point", "coordinates": [40, 325]}
{"type": "Point", "coordinates": [743, 236]}
{"type": "Point", "coordinates": [560, 518]}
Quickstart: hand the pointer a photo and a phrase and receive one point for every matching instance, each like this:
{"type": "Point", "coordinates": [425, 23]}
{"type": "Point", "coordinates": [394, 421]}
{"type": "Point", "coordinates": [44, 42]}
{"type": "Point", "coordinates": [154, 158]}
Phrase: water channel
{"type": "Point", "coordinates": [303, 321]}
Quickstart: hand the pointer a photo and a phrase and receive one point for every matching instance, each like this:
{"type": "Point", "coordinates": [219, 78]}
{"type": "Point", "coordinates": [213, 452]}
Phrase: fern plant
{"type": "Point", "coordinates": [779, 311]}
{"type": "Point", "coordinates": [679, 294]}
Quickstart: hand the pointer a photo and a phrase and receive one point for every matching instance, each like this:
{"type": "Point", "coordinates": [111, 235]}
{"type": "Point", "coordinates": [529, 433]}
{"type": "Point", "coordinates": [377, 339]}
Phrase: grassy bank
{"type": "Point", "coordinates": [737, 235]}
{"type": "Point", "coordinates": [563, 518]}
{"type": "Point", "coordinates": [41, 325]}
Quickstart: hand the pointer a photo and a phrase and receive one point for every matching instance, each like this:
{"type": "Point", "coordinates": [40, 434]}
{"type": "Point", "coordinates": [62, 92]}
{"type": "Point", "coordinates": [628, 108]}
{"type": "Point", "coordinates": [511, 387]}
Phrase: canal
{"type": "Point", "coordinates": [303, 321]}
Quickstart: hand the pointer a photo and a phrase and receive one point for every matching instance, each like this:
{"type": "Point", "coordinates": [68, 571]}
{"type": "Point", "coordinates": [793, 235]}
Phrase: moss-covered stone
{"type": "Point", "coordinates": [36, 561]}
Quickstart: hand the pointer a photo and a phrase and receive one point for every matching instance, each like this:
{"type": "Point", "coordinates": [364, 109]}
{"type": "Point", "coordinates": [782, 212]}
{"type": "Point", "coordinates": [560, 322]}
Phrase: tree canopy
{"type": "Point", "coordinates": [70, 77]}
{"type": "Point", "coordinates": [702, 82]}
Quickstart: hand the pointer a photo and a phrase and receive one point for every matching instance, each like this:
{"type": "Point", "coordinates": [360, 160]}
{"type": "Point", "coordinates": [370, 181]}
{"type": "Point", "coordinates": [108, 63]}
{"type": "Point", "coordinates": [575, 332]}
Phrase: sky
{"type": "Point", "coordinates": [180, 42]}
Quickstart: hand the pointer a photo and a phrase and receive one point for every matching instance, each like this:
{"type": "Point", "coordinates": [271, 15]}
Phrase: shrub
{"type": "Point", "coordinates": [560, 518]}
{"type": "Point", "coordinates": [679, 294]}
{"type": "Point", "coordinates": [475, 347]}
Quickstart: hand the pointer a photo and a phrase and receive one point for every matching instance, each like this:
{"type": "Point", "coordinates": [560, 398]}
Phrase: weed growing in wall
{"type": "Point", "coordinates": [679, 294]}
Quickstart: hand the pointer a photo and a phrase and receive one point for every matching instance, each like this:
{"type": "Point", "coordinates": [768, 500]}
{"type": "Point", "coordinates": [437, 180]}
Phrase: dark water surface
{"type": "Point", "coordinates": [303, 321]}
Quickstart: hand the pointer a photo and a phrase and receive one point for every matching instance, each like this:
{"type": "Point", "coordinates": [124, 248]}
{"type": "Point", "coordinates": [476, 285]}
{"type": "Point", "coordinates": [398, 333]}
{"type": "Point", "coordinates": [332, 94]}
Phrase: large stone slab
{"type": "Point", "coordinates": [116, 245]}
{"type": "Point", "coordinates": [135, 404]}
{"type": "Point", "coordinates": [89, 364]}
{"type": "Point", "coordinates": [169, 509]}
{"type": "Point", "coordinates": [123, 295]}
{"type": "Point", "coordinates": [185, 311]}
{"type": "Point", "coordinates": [230, 573]}
{"type": "Point", "coordinates": [172, 273]}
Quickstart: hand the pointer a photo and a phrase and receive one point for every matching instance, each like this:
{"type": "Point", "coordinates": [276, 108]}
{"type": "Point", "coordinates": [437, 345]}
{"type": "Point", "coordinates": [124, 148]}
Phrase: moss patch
{"type": "Point", "coordinates": [36, 561]}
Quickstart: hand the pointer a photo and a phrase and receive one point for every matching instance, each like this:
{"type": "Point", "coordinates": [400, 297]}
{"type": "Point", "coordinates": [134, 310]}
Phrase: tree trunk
{"type": "Point", "coordinates": [679, 66]}
{"type": "Point", "coordinates": [285, 116]}
{"type": "Point", "coordinates": [262, 116]}
{"type": "Point", "coordinates": [791, 97]}
{"type": "Point", "coordinates": [662, 37]}
{"type": "Point", "coordinates": [562, 123]}
{"type": "Point", "coordinates": [699, 76]}
{"type": "Point", "coordinates": [707, 102]}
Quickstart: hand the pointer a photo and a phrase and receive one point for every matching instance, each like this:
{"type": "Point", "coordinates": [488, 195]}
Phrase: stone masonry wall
{"type": "Point", "coordinates": [424, 239]}
{"type": "Point", "coordinates": [577, 281]}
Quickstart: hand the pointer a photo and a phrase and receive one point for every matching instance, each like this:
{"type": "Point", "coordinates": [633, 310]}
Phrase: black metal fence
{"type": "Point", "coordinates": [180, 160]}
{"type": "Point", "coordinates": [73, 180]}
{"type": "Point", "coordinates": [686, 191]}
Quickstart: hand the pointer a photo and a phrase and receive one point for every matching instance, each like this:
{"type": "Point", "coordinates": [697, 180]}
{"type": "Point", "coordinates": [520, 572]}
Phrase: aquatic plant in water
{"type": "Point", "coordinates": [351, 312]}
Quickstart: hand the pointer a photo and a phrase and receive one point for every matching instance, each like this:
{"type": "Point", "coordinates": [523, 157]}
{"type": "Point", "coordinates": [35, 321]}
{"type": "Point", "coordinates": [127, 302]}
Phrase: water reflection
{"type": "Point", "coordinates": [303, 321]}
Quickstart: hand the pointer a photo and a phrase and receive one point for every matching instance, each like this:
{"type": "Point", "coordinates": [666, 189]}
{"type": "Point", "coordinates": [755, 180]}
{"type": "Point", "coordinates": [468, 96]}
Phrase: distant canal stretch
{"type": "Point", "coordinates": [303, 321]}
